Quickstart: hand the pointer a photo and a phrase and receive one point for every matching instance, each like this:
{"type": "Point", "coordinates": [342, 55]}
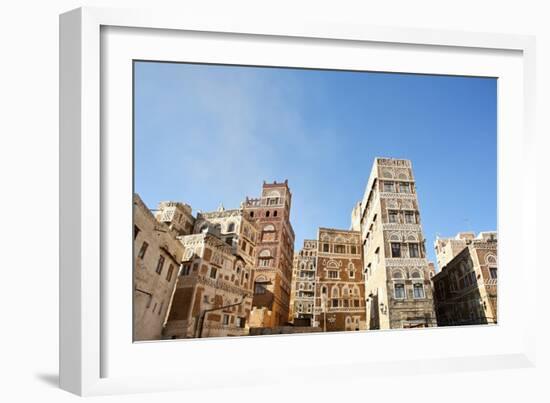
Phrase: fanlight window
{"type": "Point", "coordinates": [265, 253]}
{"type": "Point", "coordinates": [269, 228]}
{"type": "Point", "coordinates": [397, 274]}
{"type": "Point", "coordinates": [491, 259]}
{"type": "Point", "coordinates": [273, 193]}
{"type": "Point", "coordinates": [332, 264]}
{"type": "Point", "coordinates": [416, 274]}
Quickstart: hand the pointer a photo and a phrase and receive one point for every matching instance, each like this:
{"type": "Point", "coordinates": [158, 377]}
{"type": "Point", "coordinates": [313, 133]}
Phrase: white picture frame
{"type": "Point", "coordinates": [94, 356]}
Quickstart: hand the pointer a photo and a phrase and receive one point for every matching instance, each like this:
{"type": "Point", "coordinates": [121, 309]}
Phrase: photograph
{"type": "Point", "coordinates": [274, 200]}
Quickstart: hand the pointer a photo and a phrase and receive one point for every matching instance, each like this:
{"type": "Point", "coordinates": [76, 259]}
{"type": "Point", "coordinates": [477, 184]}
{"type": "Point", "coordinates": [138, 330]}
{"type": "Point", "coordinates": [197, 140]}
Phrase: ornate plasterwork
{"type": "Point", "coordinates": [394, 195]}
{"type": "Point", "coordinates": [401, 227]}
{"type": "Point", "coordinates": [332, 264]}
{"type": "Point", "coordinates": [401, 262]}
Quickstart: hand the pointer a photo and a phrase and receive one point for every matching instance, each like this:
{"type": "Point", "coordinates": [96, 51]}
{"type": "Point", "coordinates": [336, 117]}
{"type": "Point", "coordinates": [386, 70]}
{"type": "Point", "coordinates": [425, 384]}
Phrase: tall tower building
{"type": "Point", "coordinates": [302, 297]}
{"type": "Point", "coordinates": [274, 254]}
{"type": "Point", "coordinates": [397, 275]}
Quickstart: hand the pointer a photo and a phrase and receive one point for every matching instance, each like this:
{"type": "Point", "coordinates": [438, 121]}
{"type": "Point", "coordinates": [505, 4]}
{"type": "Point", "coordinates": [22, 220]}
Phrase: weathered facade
{"type": "Point", "coordinates": [466, 287]}
{"type": "Point", "coordinates": [177, 216]}
{"type": "Point", "coordinates": [302, 296]}
{"type": "Point", "coordinates": [397, 276]}
{"type": "Point", "coordinates": [339, 289]}
{"type": "Point", "coordinates": [447, 248]}
{"type": "Point", "coordinates": [213, 294]}
{"type": "Point", "coordinates": [157, 258]}
{"type": "Point", "coordinates": [234, 228]}
{"type": "Point", "coordinates": [274, 254]}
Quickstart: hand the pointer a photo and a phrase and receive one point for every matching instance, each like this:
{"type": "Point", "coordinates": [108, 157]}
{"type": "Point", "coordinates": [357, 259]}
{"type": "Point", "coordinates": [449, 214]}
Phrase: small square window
{"type": "Point", "coordinates": [410, 218]}
{"type": "Point", "coordinates": [388, 187]}
{"type": "Point", "coordinates": [404, 187]}
{"type": "Point", "coordinates": [340, 249]}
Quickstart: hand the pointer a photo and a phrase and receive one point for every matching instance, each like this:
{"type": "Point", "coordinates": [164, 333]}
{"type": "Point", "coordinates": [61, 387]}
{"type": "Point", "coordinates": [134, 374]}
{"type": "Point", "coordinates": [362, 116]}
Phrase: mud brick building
{"type": "Point", "coordinates": [213, 294]}
{"type": "Point", "coordinates": [274, 254]}
{"type": "Point", "coordinates": [466, 286]}
{"type": "Point", "coordinates": [302, 297]}
{"type": "Point", "coordinates": [339, 288]}
{"type": "Point", "coordinates": [157, 258]}
{"type": "Point", "coordinates": [397, 275]}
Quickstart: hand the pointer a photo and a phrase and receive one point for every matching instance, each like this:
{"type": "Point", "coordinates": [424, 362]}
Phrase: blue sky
{"type": "Point", "coordinates": [207, 135]}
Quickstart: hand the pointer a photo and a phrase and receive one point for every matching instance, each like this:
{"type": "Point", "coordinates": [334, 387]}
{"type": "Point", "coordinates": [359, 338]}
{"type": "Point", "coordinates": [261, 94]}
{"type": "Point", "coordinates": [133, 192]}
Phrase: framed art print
{"type": "Point", "coordinates": [246, 194]}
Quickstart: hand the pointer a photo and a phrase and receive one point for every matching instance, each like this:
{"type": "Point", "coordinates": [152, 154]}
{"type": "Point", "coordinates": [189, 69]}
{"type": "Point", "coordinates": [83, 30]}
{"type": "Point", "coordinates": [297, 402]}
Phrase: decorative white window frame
{"type": "Point", "coordinates": [86, 352]}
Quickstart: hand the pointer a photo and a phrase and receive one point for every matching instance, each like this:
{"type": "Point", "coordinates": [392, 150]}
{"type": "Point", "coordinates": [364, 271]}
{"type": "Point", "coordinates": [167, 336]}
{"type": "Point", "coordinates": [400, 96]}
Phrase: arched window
{"type": "Point", "coordinates": [267, 213]}
{"type": "Point", "coordinates": [345, 292]}
{"type": "Point", "coordinates": [275, 213]}
{"type": "Point", "coordinates": [265, 258]}
{"type": "Point", "coordinates": [323, 290]}
{"type": "Point", "coordinates": [416, 274]}
{"type": "Point", "coordinates": [265, 253]}
{"type": "Point", "coordinates": [394, 237]}
{"type": "Point", "coordinates": [397, 274]}
{"type": "Point", "coordinates": [231, 227]}
{"type": "Point", "coordinates": [335, 292]}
